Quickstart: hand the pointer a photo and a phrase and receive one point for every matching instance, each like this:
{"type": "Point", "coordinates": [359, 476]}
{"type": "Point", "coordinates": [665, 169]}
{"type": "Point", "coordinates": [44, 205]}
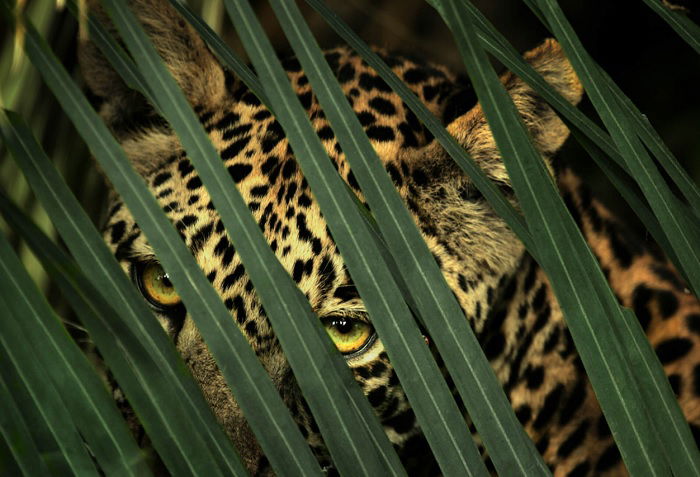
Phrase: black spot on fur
{"type": "Point", "coordinates": [377, 396]}
{"type": "Point", "coordinates": [394, 174]}
{"type": "Point", "coordinates": [250, 99]}
{"type": "Point", "coordinates": [415, 75]}
{"type": "Point", "coordinates": [692, 321]}
{"type": "Point", "coordinates": [366, 118]}
{"type": "Point", "coordinates": [237, 131]}
{"type": "Point", "coordinates": [534, 377]}
{"type": "Point", "coordinates": [540, 297]}
{"type": "Point", "coordinates": [185, 167]}
{"type": "Point", "coordinates": [668, 303]}
{"type": "Point", "coordinates": [298, 271]}
{"type": "Point", "coordinates": [346, 293]}
{"type": "Point", "coordinates": [550, 406]}
{"type": "Point", "coordinates": [573, 402]}
{"type": "Point", "coordinates": [696, 380]}
{"type": "Point", "coordinates": [380, 133]}
{"type": "Point", "coordinates": [623, 251]}
{"type": "Point", "coordinates": [269, 165]}
{"type": "Point", "coordinates": [239, 171]}
{"type": "Point", "coordinates": [194, 183]}
{"type": "Point", "coordinates": [640, 298]}
{"type": "Point", "coordinates": [262, 115]}
{"type": "Point", "coordinates": [402, 423]}
{"type": "Point", "coordinates": [665, 274]}
{"type": "Point", "coordinates": [420, 178]}
{"type": "Point", "coordinates": [382, 106]}
{"type": "Point", "coordinates": [188, 220]}
{"type": "Point", "coordinates": [161, 178]}
{"type": "Point", "coordinates": [580, 470]}
{"type": "Point", "coordinates": [117, 231]}
{"type": "Point", "coordinates": [305, 99]}
{"type": "Point", "coordinates": [259, 191]}
{"type": "Point", "coordinates": [290, 167]}
{"type": "Point", "coordinates": [368, 82]}
{"type": "Point", "coordinates": [574, 440]}
{"type": "Point", "coordinates": [675, 381]}
{"type": "Point", "coordinates": [201, 236]}
{"type": "Point", "coordinates": [227, 121]}
{"type": "Point", "coordinates": [673, 349]}
{"type": "Point", "coordinates": [459, 104]}
{"type": "Point", "coordinates": [325, 133]}
{"type": "Point", "coordinates": [346, 73]}
{"type": "Point", "coordinates": [523, 413]}
{"type": "Point", "coordinates": [608, 459]}
{"type": "Point", "coordinates": [409, 137]}
{"type": "Point", "coordinates": [494, 345]}
{"type": "Point", "coordinates": [233, 277]}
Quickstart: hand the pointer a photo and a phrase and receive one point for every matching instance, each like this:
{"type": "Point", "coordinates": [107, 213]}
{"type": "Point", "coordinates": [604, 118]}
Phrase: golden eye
{"type": "Point", "coordinates": [349, 334]}
{"type": "Point", "coordinates": [156, 286]}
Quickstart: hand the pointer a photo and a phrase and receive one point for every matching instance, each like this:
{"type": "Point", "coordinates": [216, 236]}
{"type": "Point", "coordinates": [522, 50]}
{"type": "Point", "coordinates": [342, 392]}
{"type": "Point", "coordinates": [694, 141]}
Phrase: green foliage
{"type": "Point", "coordinates": [68, 422]}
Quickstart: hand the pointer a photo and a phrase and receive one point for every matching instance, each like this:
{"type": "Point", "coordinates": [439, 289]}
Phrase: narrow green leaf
{"type": "Point", "coordinates": [24, 302]}
{"type": "Point", "coordinates": [683, 25]}
{"type": "Point", "coordinates": [135, 332]}
{"type": "Point", "coordinates": [574, 274]}
{"type": "Point", "coordinates": [15, 431]}
{"type": "Point", "coordinates": [508, 445]}
{"type": "Point", "coordinates": [252, 385]}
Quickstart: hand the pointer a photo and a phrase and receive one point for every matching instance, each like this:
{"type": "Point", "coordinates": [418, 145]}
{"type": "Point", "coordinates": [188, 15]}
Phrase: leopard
{"type": "Point", "coordinates": [505, 295]}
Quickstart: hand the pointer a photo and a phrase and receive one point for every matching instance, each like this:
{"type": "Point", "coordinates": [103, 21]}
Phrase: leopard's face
{"type": "Point", "coordinates": [472, 245]}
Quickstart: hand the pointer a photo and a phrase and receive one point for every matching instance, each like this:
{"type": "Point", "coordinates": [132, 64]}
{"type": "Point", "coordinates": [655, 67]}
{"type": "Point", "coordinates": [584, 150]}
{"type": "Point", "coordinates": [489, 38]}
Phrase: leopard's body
{"type": "Point", "coordinates": [504, 294]}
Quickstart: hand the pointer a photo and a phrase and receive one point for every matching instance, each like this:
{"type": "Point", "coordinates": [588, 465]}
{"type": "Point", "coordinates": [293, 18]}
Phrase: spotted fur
{"type": "Point", "coordinates": [505, 295]}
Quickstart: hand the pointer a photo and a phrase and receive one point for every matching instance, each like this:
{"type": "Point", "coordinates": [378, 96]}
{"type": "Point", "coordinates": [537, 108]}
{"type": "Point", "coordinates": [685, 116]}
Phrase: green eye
{"type": "Point", "coordinates": [156, 286]}
{"type": "Point", "coordinates": [348, 334]}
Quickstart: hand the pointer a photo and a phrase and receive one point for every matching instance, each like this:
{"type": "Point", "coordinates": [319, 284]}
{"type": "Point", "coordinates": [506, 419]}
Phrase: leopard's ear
{"type": "Point", "coordinates": [544, 126]}
{"type": "Point", "coordinates": [193, 66]}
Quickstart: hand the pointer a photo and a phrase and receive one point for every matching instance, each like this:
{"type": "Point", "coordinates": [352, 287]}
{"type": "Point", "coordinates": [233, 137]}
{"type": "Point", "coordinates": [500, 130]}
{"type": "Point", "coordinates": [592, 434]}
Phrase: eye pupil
{"type": "Point", "coordinates": [343, 325]}
{"type": "Point", "coordinates": [166, 281]}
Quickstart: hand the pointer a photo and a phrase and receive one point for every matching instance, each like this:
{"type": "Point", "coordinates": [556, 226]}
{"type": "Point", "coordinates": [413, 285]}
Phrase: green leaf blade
{"type": "Point", "coordinates": [24, 301]}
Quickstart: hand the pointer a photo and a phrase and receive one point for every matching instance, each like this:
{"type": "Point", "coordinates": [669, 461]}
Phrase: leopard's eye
{"type": "Point", "coordinates": [349, 334]}
{"type": "Point", "coordinates": [155, 285]}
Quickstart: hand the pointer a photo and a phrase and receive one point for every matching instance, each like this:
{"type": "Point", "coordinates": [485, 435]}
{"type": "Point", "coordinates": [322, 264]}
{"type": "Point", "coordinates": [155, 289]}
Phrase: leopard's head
{"type": "Point", "coordinates": [472, 245]}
